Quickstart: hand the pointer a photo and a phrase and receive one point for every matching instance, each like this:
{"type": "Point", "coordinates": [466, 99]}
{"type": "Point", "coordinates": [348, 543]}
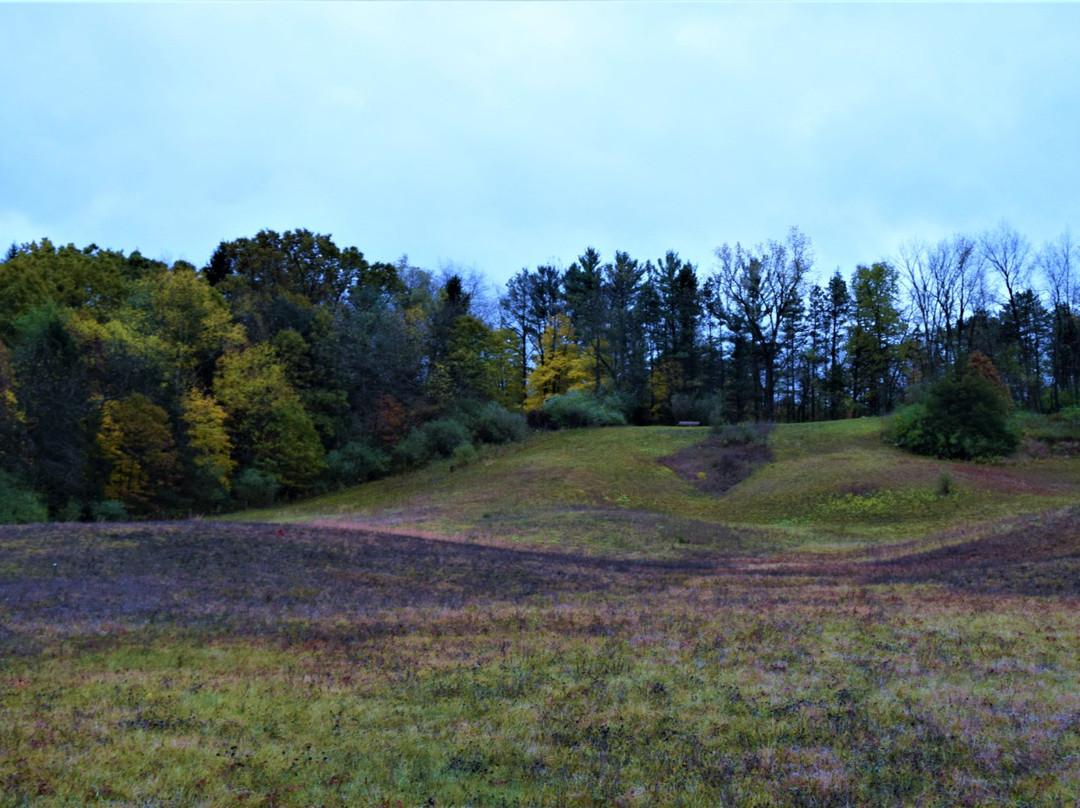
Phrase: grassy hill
{"type": "Point", "coordinates": [608, 491]}
{"type": "Point", "coordinates": [566, 622]}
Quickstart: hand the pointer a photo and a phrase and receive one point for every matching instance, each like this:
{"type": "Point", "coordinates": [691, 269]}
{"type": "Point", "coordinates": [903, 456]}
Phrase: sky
{"type": "Point", "coordinates": [488, 137]}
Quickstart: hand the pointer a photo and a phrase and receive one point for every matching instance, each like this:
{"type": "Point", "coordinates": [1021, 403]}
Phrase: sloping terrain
{"type": "Point", "coordinates": [528, 633]}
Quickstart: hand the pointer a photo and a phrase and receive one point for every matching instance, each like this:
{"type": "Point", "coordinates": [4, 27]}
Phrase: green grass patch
{"type": "Point", "coordinates": [449, 682]}
{"type": "Point", "coordinates": [606, 491]}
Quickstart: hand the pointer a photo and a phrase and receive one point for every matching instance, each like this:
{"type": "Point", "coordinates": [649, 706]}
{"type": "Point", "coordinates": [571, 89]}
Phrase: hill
{"type": "Point", "coordinates": [608, 490]}
{"type": "Point", "coordinates": [535, 630]}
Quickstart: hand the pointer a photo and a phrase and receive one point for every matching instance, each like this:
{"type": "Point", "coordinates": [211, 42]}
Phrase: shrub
{"type": "Point", "coordinates": [109, 510]}
{"type": "Point", "coordinates": [539, 419]}
{"type": "Point", "coordinates": [463, 455]}
{"type": "Point", "coordinates": [255, 487]}
{"type": "Point", "coordinates": [746, 433]}
{"type": "Point", "coordinates": [492, 423]}
{"type": "Point", "coordinates": [444, 435]}
{"type": "Point", "coordinates": [354, 463]}
{"type": "Point", "coordinates": [573, 410]}
{"type": "Point", "coordinates": [705, 409]}
{"type": "Point", "coordinates": [423, 444]}
{"type": "Point", "coordinates": [19, 504]}
{"type": "Point", "coordinates": [413, 450]}
{"type": "Point", "coordinates": [966, 418]}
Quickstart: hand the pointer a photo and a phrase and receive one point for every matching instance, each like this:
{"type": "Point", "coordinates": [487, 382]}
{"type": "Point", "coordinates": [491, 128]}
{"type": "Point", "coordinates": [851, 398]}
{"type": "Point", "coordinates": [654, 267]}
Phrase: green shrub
{"type": "Point", "coordinates": [412, 451]}
{"type": "Point", "coordinates": [444, 435]}
{"type": "Point", "coordinates": [464, 455]}
{"type": "Point", "coordinates": [746, 433]}
{"type": "Point", "coordinates": [966, 418]}
{"type": "Point", "coordinates": [423, 444]}
{"type": "Point", "coordinates": [492, 423]}
{"type": "Point", "coordinates": [354, 463]}
{"type": "Point", "coordinates": [255, 487]}
{"type": "Point", "coordinates": [20, 504]}
{"type": "Point", "coordinates": [705, 409]}
{"type": "Point", "coordinates": [574, 410]}
{"type": "Point", "coordinates": [109, 510]}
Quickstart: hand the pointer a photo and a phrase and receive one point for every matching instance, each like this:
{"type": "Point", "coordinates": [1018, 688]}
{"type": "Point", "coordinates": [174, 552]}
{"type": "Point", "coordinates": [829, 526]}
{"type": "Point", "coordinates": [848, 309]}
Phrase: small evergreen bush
{"type": "Point", "coordinates": [19, 504]}
{"type": "Point", "coordinates": [463, 455]}
{"type": "Point", "coordinates": [255, 487]}
{"type": "Point", "coordinates": [444, 435]}
{"type": "Point", "coordinates": [413, 450]}
{"type": "Point", "coordinates": [573, 410]}
{"type": "Point", "coordinates": [423, 444]}
{"type": "Point", "coordinates": [965, 418]}
{"type": "Point", "coordinates": [354, 463]}
{"type": "Point", "coordinates": [109, 510]}
{"type": "Point", "coordinates": [492, 423]}
{"type": "Point", "coordinates": [745, 434]}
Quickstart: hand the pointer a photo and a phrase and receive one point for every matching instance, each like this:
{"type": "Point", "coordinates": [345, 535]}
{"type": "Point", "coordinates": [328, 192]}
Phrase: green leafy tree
{"type": "Point", "coordinates": [191, 322]}
{"type": "Point", "coordinates": [267, 422]}
{"type": "Point", "coordinates": [874, 339]}
{"type": "Point", "coordinates": [209, 446]}
{"type": "Point", "coordinates": [136, 440]}
{"type": "Point", "coordinates": [759, 289]}
{"type": "Point", "coordinates": [51, 386]}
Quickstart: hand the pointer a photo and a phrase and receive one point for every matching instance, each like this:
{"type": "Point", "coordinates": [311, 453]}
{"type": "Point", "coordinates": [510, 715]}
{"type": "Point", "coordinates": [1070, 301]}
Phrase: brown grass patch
{"type": "Point", "coordinates": [715, 466]}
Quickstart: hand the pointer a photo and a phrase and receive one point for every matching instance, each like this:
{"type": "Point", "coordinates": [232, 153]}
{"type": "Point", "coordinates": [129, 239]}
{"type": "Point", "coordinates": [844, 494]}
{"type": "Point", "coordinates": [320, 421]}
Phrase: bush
{"type": "Point", "coordinates": [492, 423]}
{"type": "Point", "coordinates": [437, 438]}
{"type": "Point", "coordinates": [574, 410]}
{"type": "Point", "coordinates": [704, 409]}
{"type": "Point", "coordinates": [413, 450]}
{"type": "Point", "coordinates": [19, 504]}
{"type": "Point", "coordinates": [968, 418]}
{"type": "Point", "coordinates": [354, 463]}
{"type": "Point", "coordinates": [445, 435]}
{"type": "Point", "coordinates": [255, 487]}
{"type": "Point", "coordinates": [109, 510]}
{"type": "Point", "coordinates": [463, 455]}
{"type": "Point", "coordinates": [745, 434]}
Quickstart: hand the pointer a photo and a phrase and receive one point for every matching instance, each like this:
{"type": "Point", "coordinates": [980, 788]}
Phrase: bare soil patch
{"type": "Point", "coordinates": [715, 465]}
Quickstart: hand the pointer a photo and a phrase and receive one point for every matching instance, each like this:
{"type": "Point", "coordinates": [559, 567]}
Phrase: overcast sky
{"type": "Point", "coordinates": [493, 136]}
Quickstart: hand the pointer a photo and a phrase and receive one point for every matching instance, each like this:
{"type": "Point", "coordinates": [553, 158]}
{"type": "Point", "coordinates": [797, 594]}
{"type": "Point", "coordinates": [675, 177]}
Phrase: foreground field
{"type": "Point", "coordinates": [776, 661]}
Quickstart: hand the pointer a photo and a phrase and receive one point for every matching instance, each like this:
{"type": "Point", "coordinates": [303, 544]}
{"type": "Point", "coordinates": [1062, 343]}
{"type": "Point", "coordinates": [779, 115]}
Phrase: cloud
{"type": "Point", "coordinates": [501, 135]}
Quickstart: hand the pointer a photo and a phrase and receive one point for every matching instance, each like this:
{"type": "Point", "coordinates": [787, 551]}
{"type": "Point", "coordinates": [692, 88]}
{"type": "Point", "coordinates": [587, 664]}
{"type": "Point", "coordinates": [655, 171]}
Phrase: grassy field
{"type": "Point", "coordinates": [565, 623]}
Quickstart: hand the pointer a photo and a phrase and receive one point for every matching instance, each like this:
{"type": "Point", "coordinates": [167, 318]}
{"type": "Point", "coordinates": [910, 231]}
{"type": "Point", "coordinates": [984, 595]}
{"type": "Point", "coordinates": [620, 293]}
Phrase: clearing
{"type": "Point", "coordinates": [565, 623]}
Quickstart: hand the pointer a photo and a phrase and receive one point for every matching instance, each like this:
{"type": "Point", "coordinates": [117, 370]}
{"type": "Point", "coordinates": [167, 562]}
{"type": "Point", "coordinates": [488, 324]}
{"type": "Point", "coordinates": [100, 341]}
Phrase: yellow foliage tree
{"type": "Point", "coordinates": [204, 423]}
{"type": "Point", "coordinates": [136, 438]}
{"type": "Point", "coordinates": [563, 369]}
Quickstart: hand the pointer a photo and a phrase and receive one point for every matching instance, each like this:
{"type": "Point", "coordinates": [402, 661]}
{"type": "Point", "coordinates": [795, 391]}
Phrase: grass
{"type": "Point", "coordinates": [604, 491]}
{"type": "Point", "coordinates": [553, 644]}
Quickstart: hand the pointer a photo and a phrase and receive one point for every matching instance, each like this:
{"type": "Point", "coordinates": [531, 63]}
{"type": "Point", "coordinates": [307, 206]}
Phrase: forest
{"type": "Point", "coordinates": [289, 365]}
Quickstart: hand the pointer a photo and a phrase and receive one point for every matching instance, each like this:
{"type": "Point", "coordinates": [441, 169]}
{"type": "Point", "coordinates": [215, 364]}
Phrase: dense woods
{"type": "Point", "coordinates": [289, 365]}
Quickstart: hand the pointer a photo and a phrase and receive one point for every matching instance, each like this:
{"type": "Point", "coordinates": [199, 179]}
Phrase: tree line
{"type": "Point", "coordinates": [755, 338]}
{"type": "Point", "coordinates": [288, 365]}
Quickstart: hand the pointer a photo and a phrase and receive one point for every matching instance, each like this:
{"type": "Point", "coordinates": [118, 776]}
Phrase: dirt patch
{"type": "Point", "coordinates": [716, 465]}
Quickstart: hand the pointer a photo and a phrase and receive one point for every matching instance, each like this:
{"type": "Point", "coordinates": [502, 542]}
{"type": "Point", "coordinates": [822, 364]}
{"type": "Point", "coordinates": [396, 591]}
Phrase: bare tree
{"type": "Point", "coordinates": [1008, 256]}
{"type": "Point", "coordinates": [1058, 263]}
{"type": "Point", "coordinates": [761, 288]}
{"type": "Point", "coordinates": [944, 283]}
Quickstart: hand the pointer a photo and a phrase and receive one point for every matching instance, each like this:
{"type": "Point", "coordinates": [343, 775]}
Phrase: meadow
{"type": "Point", "coordinates": [565, 622]}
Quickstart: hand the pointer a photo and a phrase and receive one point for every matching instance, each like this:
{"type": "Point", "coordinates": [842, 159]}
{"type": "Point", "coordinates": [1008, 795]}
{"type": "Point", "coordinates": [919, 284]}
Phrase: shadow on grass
{"type": "Point", "coordinates": [1035, 555]}
{"type": "Point", "coordinates": [256, 578]}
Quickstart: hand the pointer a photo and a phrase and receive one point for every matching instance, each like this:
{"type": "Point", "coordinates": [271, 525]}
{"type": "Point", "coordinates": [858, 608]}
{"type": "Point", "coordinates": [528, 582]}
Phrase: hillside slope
{"type": "Point", "coordinates": [607, 490]}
